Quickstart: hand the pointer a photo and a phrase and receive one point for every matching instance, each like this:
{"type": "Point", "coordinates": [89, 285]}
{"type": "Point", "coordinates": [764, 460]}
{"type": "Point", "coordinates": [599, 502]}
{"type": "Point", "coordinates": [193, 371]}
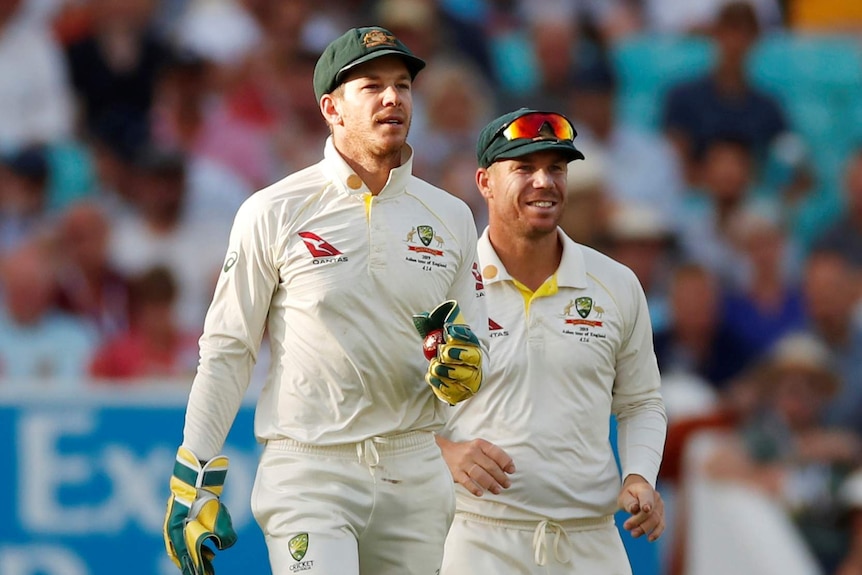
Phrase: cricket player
{"type": "Point", "coordinates": [571, 344]}
{"type": "Point", "coordinates": [334, 262]}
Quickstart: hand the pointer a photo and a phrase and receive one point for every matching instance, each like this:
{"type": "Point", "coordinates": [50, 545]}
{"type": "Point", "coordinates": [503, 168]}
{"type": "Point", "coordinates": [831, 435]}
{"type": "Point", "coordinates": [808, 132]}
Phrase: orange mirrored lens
{"type": "Point", "coordinates": [540, 126]}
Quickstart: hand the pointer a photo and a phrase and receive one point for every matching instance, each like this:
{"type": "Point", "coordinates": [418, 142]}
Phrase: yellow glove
{"type": "Point", "coordinates": [455, 371]}
{"type": "Point", "coordinates": [195, 515]}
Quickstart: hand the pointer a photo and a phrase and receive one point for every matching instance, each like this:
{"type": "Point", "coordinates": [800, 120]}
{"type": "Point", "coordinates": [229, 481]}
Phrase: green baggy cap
{"type": "Point", "coordinates": [357, 46]}
{"type": "Point", "coordinates": [492, 145]}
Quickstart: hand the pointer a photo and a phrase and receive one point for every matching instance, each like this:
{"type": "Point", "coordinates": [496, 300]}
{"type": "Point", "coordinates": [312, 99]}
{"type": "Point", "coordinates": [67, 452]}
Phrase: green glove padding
{"type": "Point", "coordinates": [195, 515]}
{"type": "Point", "coordinates": [455, 374]}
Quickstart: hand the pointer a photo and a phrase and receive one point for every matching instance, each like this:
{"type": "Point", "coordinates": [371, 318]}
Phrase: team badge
{"type": "Point", "coordinates": [584, 305]}
{"type": "Point", "coordinates": [298, 546]}
{"type": "Point", "coordinates": [426, 234]}
{"type": "Point", "coordinates": [378, 38]}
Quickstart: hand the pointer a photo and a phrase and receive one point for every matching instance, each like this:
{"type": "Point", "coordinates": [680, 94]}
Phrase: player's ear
{"type": "Point", "coordinates": [483, 177]}
{"type": "Point", "coordinates": [330, 109]}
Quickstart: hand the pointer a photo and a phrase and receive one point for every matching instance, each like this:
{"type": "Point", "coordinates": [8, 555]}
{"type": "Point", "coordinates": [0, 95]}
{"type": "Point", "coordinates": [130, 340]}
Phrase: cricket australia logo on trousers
{"type": "Point", "coordinates": [298, 547]}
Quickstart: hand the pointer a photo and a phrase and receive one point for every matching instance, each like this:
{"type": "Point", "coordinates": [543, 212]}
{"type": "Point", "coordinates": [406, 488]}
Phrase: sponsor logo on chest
{"type": "Point", "coordinates": [322, 251]}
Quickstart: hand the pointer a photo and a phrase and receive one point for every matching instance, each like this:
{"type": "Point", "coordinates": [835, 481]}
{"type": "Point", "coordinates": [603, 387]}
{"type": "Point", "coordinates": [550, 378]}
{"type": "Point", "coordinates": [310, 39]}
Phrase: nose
{"type": "Point", "coordinates": [391, 96]}
{"type": "Point", "coordinates": [543, 179]}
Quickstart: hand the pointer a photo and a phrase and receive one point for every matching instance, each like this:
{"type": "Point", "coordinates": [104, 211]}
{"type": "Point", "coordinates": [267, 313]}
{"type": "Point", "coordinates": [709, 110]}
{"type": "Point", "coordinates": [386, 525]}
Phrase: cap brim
{"type": "Point", "coordinates": [566, 149]}
{"type": "Point", "coordinates": [414, 64]}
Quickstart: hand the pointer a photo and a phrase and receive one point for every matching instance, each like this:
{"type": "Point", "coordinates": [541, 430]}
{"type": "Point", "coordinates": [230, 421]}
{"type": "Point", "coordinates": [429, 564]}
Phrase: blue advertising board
{"type": "Point", "coordinates": [83, 484]}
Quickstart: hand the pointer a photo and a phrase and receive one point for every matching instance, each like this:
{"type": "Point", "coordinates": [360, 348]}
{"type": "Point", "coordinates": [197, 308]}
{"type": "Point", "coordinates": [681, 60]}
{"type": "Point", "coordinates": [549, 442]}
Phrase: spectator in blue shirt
{"type": "Point", "coordinates": [723, 101]}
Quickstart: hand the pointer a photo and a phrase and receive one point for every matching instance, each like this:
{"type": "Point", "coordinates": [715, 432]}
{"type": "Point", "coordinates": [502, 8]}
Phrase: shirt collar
{"type": "Point", "coordinates": [570, 273]}
{"type": "Point", "coordinates": [350, 183]}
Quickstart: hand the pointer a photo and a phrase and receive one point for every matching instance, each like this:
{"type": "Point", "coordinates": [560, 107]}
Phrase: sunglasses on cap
{"type": "Point", "coordinates": [539, 126]}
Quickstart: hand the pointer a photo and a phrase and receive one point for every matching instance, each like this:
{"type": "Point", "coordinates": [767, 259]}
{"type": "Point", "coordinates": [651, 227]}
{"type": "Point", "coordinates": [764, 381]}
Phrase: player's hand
{"type": "Point", "coordinates": [195, 515]}
{"type": "Point", "coordinates": [478, 465]}
{"type": "Point", "coordinates": [645, 505]}
{"type": "Point", "coordinates": [455, 372]}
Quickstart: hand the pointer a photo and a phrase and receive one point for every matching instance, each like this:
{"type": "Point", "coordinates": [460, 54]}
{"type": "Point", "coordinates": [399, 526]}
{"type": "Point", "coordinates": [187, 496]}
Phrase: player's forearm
{"type": "Point", "coordinates": [641, 433]}
{"type": "Point", "coordinates": [215, 399]}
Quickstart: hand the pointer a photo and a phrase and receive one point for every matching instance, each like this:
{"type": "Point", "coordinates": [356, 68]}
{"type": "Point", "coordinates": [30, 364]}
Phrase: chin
{"type": "Point", "coordinates": [389, 146]}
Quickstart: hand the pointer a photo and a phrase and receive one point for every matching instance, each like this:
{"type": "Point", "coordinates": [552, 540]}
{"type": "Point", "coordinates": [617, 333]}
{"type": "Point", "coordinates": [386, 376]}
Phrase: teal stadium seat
{"type": "Point", "coordinates": [647, 65]}
{"type": "Point", "coordinates": [817, 78]}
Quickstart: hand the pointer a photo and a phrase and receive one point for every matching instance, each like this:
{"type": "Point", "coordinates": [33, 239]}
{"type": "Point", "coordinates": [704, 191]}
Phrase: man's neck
{"type": "Point", "coordinates": [529, 260]}
{"type": "Point", "coordinates": [372, 169]}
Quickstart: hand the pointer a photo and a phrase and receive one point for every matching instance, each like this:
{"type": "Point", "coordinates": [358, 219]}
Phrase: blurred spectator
{"type": "Point", "coordinates": [224, 31]}
{"type": "Point", "coordinates": [38, 342]}
{"type": "Point", "coordinates": [851, 497]}
{"type": "Point", "coordinates": [696, 16]}
{"type": "Point", "coordinates": [88, 285]}
{"type": "Point", "coordinates": [608, 20]}
{"type": "Point", "coordinates": [845, 236]}
{"type": "Point", "coordinates": [457, 176]}
{"type": "Point", "coordinates": [417, 23]}
{"type": "Point", "coordinates": [645, 166]}
{"type": "Point", "coordinates": [23, 196]}
{"type": "Point", "coordinates": [727, 176]}
{"type": "Point", "coordinates": [246, 56]}
{"type": "Point", "coordinates": [640, 237]}
{"type": "Point", "coordinates": [715, 413]}
{"type": "Point", "coordinates": [588, 205]}
{"type": "Point", "coordinates": [831, 290]}
{"type": "Point", "coordinates": [695, 341]}
{"type": "Point", "coordinates": [300, 128]}
{"type": "Point", "coordinates": [724, 101]}
{"type": "Point", "coordinates": [550, 43]}
{"type": "Point", "coordinates": [164, 231]}
{"type": "Point", "coordinates": [115, 65]}
{"type": "Point", "coordinates": [112, 142]}
{"type": "Point", "coordinates": [153, 346]}
{"type": "Point", "coordinates": [769, 303]}
{"type": "Point", "coordinates": [35, 99]}
{"type": "Point", "coordinates": [183, 120]}
{"type": "Point", "coordinates": [455, 105]}
{"type": "Point", "coordinates": [785, 452]}
{"type": "Point", "coordinates": [469, 24]}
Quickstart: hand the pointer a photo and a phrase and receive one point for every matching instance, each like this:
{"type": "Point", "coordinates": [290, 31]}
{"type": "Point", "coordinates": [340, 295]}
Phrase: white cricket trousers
{"type": "Point", "coordinates": [379, 507]}
{"type": "Point", "coordinates": [480, 545]}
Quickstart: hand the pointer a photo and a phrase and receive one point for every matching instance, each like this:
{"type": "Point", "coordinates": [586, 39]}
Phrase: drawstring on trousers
{"type": "Point", "coordinates": [366, 451]}
{"type": "Point", "coordinates": [540, 542]}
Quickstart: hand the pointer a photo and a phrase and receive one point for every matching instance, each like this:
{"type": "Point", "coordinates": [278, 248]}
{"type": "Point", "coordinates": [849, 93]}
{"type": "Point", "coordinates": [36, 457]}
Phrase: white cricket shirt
{"type": "Point", "coordinates": [581, 350]}
{"type": "Point", "coordinates": [334, 275]}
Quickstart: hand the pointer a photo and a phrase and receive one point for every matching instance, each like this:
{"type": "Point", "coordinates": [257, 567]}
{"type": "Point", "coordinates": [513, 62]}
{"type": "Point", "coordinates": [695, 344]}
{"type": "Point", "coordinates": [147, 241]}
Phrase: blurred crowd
{"type": "Point", "coordinates": [130, 132]}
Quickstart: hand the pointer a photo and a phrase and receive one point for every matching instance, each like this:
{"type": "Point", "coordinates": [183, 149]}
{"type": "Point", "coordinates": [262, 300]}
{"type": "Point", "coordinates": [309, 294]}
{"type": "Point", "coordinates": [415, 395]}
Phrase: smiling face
{"type": "Point", "coordinates": [370, 112]}
{"type": "Point", "coordinates": [525, 196]}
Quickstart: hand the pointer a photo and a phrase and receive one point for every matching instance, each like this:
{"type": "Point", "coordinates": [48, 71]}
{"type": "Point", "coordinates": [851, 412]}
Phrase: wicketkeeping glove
{"type": "Point", "coordinates": [195, 515]}
{"type": "Point", "coordinates": [455, 373]}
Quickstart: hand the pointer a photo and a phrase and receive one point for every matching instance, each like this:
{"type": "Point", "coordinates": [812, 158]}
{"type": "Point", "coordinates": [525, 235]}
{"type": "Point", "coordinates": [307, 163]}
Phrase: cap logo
{"type": "Point", "coordinates": [378, 38]}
